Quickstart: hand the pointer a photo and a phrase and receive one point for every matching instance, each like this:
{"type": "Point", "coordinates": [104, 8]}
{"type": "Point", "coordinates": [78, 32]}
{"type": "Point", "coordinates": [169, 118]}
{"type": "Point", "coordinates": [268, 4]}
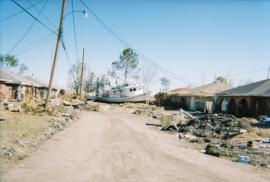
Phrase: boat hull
{"type": "Point", "coordinates": [137, 98]}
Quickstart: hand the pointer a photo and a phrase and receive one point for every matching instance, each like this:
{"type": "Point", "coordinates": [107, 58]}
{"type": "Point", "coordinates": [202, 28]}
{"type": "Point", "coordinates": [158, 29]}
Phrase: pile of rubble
{"type": "Point", "coordinates": [12, 106]}
{"type": "Point", "coordinates": [54, 108]}
{"type": "Point", "coordinates": [220, 126]}
{"type": "Point", "coordinates": [92, 106]}
{"type": "Point", "coordinates": [224, 135]}
{"type": "Point", "coordinates": [130, 105]}
{"type": "Point", "coordinates": [36, 108]}
{"type": "Point", "coordinates": [220, 135]}
{"type": "Point", "coordinates": [140, 108]}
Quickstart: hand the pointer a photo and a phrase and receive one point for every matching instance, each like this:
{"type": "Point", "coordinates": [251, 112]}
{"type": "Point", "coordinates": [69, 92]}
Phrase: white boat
{"type": "Point", "coordinates": [124, 93]}
{"type": "Point", "coordinates": [91, 96]}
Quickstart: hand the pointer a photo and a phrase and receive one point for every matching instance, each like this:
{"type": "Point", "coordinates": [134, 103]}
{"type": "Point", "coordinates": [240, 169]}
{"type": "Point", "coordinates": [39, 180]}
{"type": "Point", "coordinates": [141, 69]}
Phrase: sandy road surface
{"type": "Point", "coordinates": [117, 146]}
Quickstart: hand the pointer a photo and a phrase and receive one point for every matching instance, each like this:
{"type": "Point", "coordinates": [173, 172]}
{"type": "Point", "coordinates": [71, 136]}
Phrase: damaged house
{"type": "Point", "coordinates": [248, 100]}
{"type": "Point", "coordinates": [18, 87]}
{"type": "Point", "coordinates": [40, 88]}
{"type": "Point", "coordinates": [193, 99]}
{"type": "Point", "coordinates": [9, 85]}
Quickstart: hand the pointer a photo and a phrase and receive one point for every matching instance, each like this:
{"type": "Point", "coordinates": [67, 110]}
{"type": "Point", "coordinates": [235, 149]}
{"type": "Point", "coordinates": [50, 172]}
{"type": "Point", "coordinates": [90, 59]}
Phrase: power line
{"type": "Point", "coordinates": [38, 44]}
{"type": "Point", "coordinates": [145, 58]}
{"type": "Point", "coordinates": [249, 72]}
{"type": "Point", "coordinates": [48, 20]}
{"type": "Point", "coordinates": [28, 30]}
{"type": "Point", "coordinates": [19, 12]}
{"type": "Point", "coordinates": [36, 19]}
{"type": "Point", "coordinates": [48, 28]}
{"type": "Point", "coordinates": [66, 54]}
{"type": "Point", "coordinates": [74, 30]}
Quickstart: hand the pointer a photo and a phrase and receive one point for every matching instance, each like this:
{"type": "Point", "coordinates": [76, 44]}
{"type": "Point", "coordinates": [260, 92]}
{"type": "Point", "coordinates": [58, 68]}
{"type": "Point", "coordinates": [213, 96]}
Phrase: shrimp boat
{"type": "Point", "coordinates": [124, 93]}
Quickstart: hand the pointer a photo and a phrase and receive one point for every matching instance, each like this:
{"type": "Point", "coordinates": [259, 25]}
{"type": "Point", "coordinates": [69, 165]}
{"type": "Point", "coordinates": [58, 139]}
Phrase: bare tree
{"type": "Point", "coordinates": [101, 83]}
{"type": "Point", "coordinates": [148, 74]}
{"type": "Point", "coordinates": [89, 83]}
{"type": "Point", "coordinates": [74, 77]}
{"type": "Point", "coordinates": [113, 75]}
{"type": "Point", "coordinates": [229, 78]}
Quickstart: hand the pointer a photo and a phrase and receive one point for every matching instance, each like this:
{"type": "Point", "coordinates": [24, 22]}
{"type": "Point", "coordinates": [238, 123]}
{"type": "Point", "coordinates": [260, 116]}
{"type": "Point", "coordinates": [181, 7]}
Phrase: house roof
{"type": "Point", "coordinates": [208, 90]}
{"type": "Point", "coordinates": [9, 77]}
{"type": "Point", "coordinates": [35, 82]}
{"type": "Point", "coordinates": [183, 90]}
{"type": "Point", "coordinates": [260, 88]}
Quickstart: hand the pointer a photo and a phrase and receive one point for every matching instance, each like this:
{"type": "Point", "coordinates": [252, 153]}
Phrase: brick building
{"type": "Point", "coordinates": [195, 99]}
{"type": "Point", "coordinates": [248, 100]}
{"type": "Point", "coordinates": [18, 87]}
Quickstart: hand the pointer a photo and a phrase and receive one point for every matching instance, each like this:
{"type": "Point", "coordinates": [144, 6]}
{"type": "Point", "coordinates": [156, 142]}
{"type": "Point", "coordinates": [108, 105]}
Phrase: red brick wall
{"type": "Point", "coordinates": [4, 90]}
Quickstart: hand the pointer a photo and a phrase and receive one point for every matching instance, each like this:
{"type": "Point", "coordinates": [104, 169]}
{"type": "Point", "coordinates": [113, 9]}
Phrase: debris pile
{"type": "Point", "coordinates": [130, 105]}
{"type": "Point", "coordinates": [72, 100]}
{"type": "Point", "coordinates": [224, 135]}
{"type": "Point", "coordinates": [220, 135]}
{"type": "Point", "coordinates": [55, 106]}
{"type": "Point", "coordinates": [12, 106]}
{"type": "Point", "coordinates": [220, 126]}
{"type": "Point", "coordinates": [140, 108]}
{"type": "Point", "coordinates": [92, 106]}
{"type": "Point", "coordinates": [37, 108]}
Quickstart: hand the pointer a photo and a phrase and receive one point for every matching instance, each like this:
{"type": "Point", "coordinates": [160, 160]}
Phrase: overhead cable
{"type": "Point", "coordinates": [19, 12]}
{"type": "Point", "coordinates": [28, 30]}
{"type": "Point", "coordinates": [74, 30]}
{"type": "Point", "coordinates": [44, 25]}
{"type": "Point", "coordinates": [145, 58]}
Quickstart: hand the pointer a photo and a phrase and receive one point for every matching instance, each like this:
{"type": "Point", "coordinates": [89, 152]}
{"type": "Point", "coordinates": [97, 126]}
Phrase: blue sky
{"type": "Point", "coordinates": [192, 38]}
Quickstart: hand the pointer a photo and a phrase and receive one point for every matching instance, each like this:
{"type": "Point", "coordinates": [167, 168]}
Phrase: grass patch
{"type": "Point", "coordinates": [22, 125]}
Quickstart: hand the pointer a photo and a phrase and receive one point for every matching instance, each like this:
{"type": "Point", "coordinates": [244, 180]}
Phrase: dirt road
{"type": "Point", "coordinates": [117, 146]}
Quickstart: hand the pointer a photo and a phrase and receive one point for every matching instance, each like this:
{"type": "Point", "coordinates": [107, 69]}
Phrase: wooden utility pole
{"type": "Point", "coordinates": [59, 35]}
{"type": "Point", "coordinates": [81, 84]}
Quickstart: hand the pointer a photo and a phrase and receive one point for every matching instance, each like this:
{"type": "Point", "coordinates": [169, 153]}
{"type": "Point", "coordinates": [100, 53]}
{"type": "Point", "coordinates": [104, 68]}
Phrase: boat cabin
{"type": "Point", "coordinates": [125, 90]}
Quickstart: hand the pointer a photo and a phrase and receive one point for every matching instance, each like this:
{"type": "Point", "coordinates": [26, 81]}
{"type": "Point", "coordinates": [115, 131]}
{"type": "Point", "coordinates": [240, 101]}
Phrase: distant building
{"type": "Point", "coordinates": [252, 99]}
{"type": "Point", "coordinates": [200, 98]}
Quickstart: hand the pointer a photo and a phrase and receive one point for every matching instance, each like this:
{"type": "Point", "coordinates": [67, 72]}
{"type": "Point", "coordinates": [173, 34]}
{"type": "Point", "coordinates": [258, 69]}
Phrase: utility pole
{"type": "Point", "coordinates": [59, 35]}
{"type": "Point", "coordinates": [81, 85]}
